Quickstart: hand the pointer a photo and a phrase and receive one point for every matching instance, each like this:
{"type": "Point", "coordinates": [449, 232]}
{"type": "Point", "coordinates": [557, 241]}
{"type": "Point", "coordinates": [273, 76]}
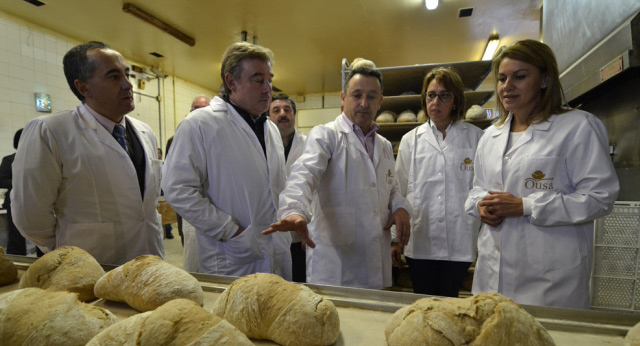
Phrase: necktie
{"type": "Point", "coordinates": [118, 134]}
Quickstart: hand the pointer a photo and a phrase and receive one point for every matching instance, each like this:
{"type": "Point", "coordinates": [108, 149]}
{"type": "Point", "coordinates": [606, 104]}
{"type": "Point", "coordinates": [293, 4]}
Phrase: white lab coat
{"type": "Point", "coordinates": [351, 198]}
{"type": "Point", "coordinates": [217, 178]}
{"type": "Point", "coordinates": [436, 181]}
{"type": "Point", "coordinates": [297, 147]}
{"type": "Point", "coordinates": [561, 167]}
{"type": "Point", "coordinates": [73, 184]}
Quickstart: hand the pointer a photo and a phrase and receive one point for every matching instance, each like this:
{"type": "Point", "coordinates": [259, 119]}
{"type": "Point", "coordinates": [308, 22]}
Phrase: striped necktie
{"type": "Point", "coordinates": [118, 134]}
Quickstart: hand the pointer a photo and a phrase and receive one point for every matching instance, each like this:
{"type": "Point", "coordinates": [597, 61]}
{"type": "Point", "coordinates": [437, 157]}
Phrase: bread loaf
{"type": "Point", "coordinates": [483, 319]}
{"type": "Point", "coordinates": [32, 316]}
{"type": "Point", "coordinates": [386, 117]}
{"type": "Point", "coordinates": [265, 306]}
{"type": "Point", "coordinates": [67, 268]}
{"type": "Point", "coordinates": [178, 322]}
{"type": "Point", "coordinates": [633, 336]}
{"type": "Point", "coordinates": [8, 270]}
{"type": "Point", "coordinates": [422, 116]}
{"type": "Point", "coordinates": [147, 282]}
{"type": "Point", "coordinates": [407, 117]}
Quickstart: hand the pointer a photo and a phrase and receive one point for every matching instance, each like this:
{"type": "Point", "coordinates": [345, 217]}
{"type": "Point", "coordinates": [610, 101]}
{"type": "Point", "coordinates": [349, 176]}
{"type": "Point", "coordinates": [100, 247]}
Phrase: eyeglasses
{"type": "Point", "coordinates": [444, 96]}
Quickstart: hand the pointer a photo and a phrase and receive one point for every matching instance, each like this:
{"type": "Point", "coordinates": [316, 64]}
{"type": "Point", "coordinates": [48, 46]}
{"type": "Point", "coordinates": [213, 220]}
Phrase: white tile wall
{"type": "Point", "coordinates": [31, 62]}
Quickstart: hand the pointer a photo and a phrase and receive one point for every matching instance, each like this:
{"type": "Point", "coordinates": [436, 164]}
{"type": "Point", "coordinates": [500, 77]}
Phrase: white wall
{"type": "Point", "coordinates": [31, 62]}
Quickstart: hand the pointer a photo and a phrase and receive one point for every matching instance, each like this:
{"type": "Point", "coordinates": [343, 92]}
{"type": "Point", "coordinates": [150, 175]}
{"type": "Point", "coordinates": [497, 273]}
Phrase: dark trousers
{"type": "Point", "coordinates": [298, 262]}
{"type": "Point", "coordinates": [16, 244]}
{"type": "Point", "coordinates": [439, 278]}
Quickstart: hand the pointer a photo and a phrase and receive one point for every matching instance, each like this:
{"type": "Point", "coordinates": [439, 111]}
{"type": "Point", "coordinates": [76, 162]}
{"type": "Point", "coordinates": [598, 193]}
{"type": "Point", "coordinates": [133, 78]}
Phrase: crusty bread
{"type": "Point", "coordinates": [147, 282]}
{"type": "Point", "coordinates": [407, 116]}
{"type": "Point", "coordinates": [32, 316]}
{"type": "Point", "coordinates": [8, 270]}
{"type": "Point", "coordinates": [386, 117]}
{"type": "Point", "coordinates": [178, 322]}
{"type": "Point", "coordinates": [483, 319]}
{"type": "Point", "coordinates": [67, 268]}
{"type": "Point", "coordinates": [265, 306]}
{"type": "Point", "coordinates": [422, 116]}
{"type": "Point", "coordinates": [633, 336]}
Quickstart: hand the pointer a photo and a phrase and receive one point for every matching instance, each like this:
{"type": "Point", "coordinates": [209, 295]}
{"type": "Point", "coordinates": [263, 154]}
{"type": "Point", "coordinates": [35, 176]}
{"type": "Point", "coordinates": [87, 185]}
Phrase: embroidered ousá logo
{"type": "Point", "coordinates": [466, 165]}
{"type": "Point", "coordinates": [538, 181]}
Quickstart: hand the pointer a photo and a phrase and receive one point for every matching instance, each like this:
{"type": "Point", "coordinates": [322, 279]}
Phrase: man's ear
{"type": "Point", "coordinates": [82, 88]}
{"type": "Point", "coordinates": [231, 83]}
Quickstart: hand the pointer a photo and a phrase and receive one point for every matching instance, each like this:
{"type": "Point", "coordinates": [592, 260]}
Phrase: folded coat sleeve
{"type": "Point", "coordinates": [37, 177]}
{"type": "Point", "coordinates": [594, 183]}
{"type": "Point", "coordinates": [306, 173]}
{"type": "Point", "coordinates": [184, 181]}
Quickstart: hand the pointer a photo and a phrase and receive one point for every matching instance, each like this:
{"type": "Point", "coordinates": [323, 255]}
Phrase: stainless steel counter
{"type": "Point", "coordinates": [364, 313]}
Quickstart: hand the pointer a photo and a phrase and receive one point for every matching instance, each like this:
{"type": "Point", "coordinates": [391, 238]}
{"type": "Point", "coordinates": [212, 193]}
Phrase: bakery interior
{"type": "Point", "coordinates": [597, 45]}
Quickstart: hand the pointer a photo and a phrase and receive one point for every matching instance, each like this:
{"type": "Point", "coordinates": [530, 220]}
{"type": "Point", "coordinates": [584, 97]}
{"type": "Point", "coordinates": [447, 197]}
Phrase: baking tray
{"type": "Point", "coordinates": [364, 313]}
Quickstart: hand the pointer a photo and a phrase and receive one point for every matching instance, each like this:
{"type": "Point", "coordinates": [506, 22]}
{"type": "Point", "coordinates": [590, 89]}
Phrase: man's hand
{"type": "Point", "coordinates": [396, 255]}
{"type": "Point", "coordinates": [293, 222]}
{"type": "Point", "coordinates": [403, 226]}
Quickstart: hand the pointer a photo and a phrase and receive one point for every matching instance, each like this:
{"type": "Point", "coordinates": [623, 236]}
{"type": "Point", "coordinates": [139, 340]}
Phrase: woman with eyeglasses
{"type": "Point", "coordinates": [435, 171]}
{"type": "Point", "coordinates": [543, 174]}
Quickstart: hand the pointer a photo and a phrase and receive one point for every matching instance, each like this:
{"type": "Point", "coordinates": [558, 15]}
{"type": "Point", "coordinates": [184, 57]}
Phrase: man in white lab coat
{"type": "Point", "coordinates": [345, 179]}
{"type": "Point", "coordinates": [282, 112]}
{"type": "Point", "coordinates": [75, 182]}
{"type": "Point", "coordinates": [225, 171]}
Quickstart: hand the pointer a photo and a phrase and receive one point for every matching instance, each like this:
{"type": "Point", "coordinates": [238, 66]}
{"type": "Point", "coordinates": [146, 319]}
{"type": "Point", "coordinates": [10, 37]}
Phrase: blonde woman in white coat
{"type": "Point", "coordinates": [543, 174]}
{"type": "Point", "coordinates": [435, 171]}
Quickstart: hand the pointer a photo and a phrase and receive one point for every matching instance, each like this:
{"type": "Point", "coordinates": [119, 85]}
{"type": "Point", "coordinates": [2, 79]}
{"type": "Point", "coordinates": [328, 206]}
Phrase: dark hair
{"type": "Point", "coordinates": [541, 56]}
{"type": "Point", "coordinates": [78, 66]}
{"type": "Point", "coordinates": [16, 138]}
{"type": "Point", "coordinates": [450, 79]}
{"type": "Point", "coordinates": [365, 71]}
{"type": "Point", "coordinates": [235, 54]}
{"type": "Point", "coordinates": [283, 96]}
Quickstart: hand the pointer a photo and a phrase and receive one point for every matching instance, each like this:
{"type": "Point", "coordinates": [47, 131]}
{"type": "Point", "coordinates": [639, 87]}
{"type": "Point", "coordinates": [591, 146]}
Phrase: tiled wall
{"type": "Point", "coordinates": [31, 62]}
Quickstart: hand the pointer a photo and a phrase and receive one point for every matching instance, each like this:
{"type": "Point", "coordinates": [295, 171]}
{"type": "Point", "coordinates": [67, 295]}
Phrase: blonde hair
{"type": "Point", "coordinates": [450, 79]}
{"type": "Point", "coordinates": [233, 56]}
{"type": "Point", "coordinates": [541, 56]}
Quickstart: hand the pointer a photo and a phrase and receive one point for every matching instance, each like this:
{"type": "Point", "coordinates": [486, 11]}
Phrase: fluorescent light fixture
{"type": "Point", "coordinates": [151, 19]}
{"type": "Point", "coordinates": [492, 45]}
{"type": "Point", "coordinates": [431, 4]}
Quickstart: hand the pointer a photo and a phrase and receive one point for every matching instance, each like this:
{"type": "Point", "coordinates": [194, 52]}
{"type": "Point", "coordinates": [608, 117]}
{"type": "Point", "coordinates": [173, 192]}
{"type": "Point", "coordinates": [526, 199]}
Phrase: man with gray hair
{"type": "Point", "coordinates": [226, 170]}
{"type": "Point", "coordinates": [89, 177]}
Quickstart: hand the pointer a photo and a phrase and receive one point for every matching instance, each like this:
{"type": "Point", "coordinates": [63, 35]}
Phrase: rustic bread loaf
{"type": "Point", "coordinates": [422, 116]}
{"type": "Point", "coordinates": [147, 282]}
{"type": "Point", "coordinates": [386, 117]}
{"type": "Point", "coordinates": [633, 336]}
{"type": "Point", "coordinates": [407, 116]}
{"type": "Point", "coordinates": [265, 306]}
{"type": "Point", "coordinates": [8, 270]}
{"type": "Point", "coordinates": [178, 322]}
{"type": "Point", "coordinates": [67, 268]}
{"type": "Point", "coordinates": [483, 319]}
{"type": "Point", "coordinates": [32, 316]}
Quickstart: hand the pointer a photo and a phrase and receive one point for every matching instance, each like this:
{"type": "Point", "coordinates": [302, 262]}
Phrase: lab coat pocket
{"type": "Point", "coordinates": [98, 239]}
{"type": "Point", "coordinates": [340, 227]}
{"type": "Point", "coordinates": [539, 173]}
{"type": "Point", "coordinates": [243, 248]}
{"type": "Point", "coordinates": [551, 248]}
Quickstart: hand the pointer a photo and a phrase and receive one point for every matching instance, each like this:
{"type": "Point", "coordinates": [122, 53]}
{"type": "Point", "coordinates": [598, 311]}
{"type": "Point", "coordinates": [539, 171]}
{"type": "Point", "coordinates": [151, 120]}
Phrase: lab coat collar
{"type": "Point", "coordinates": [90, 123]}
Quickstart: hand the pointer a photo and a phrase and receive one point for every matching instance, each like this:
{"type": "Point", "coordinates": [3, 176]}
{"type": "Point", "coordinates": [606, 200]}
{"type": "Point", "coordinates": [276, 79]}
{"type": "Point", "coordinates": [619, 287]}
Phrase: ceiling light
{"type": "Point", "coordinates": [492, 45]}
{"type": "Point", "coordinates": [431, 4]}
{"type": "Point", "coordinates": [151, 19]}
